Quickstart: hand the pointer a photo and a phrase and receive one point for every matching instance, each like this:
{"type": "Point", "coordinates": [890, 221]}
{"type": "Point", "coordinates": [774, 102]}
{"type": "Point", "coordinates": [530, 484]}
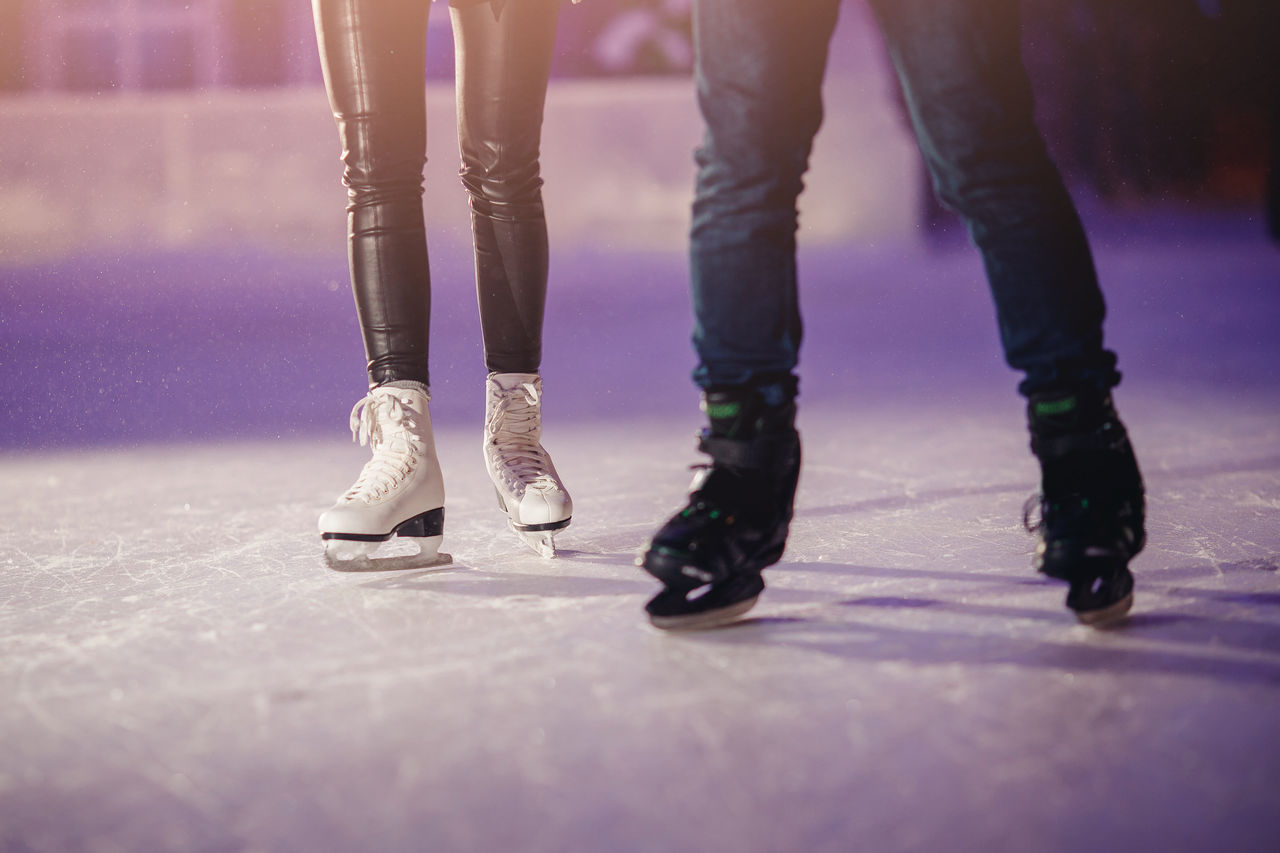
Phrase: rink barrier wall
{"type": "Point", "coordinates": [261, 168]}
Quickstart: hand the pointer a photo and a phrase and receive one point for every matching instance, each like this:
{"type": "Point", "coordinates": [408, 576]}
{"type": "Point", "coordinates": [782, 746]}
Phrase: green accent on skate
{"type": "Point", "coordinates": [718, 411]}
{"type": "Point", "coordinates": [1056, 407]}
{"type": "Point", "coordinates": [715, 513]}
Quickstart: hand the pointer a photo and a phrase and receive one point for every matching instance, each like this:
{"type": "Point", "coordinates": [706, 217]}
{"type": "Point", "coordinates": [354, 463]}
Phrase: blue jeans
{"type": "Point", "coordinates": [759, 71]}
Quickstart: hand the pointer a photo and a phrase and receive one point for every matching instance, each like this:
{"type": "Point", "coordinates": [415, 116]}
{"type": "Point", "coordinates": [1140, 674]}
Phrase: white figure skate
{"type": "Point", "coordinates": [529, 489]}
{"type": "Point", "coordinates": [400, 491]}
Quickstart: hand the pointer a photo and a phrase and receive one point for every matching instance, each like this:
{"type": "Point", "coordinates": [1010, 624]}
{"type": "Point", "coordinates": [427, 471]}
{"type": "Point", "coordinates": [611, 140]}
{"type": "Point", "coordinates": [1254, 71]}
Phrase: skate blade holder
{"type": "Point", "coordinates": [391, 555]}
{"type": "Point", "coordinates": [413, 544]}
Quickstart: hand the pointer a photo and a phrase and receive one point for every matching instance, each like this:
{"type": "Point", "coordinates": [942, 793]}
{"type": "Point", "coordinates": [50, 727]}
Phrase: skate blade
{"type": "Point", "coordinates": [346, 555]}
{"type": "Point", "coordinates": [542, 542]}
{"type": "Point", "coordinates": [706, 619]}
{"type": "Point", "coordinates": [539, 537]}
{"type": "Point", "coordinates": [1106, 616]}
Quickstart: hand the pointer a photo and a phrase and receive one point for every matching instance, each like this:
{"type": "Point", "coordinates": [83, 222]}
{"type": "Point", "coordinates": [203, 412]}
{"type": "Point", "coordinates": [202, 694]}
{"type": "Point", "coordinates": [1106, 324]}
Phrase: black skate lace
{"type": "Point", "coordinates": [514, 434]}
{"type": "Point", "coordinates": [385, 423]}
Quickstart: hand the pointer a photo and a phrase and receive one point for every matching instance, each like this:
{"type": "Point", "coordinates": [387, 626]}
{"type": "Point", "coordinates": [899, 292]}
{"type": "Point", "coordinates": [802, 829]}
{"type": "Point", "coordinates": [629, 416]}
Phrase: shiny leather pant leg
{"type": "Point", "coordinates": [373, 53]}
{"type": "Point", "coordinates": [503, 55]}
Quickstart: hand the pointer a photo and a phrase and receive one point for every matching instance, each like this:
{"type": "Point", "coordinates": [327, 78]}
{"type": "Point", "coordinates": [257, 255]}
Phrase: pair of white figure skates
{"type": "Point", "coordinates": [400, 491]}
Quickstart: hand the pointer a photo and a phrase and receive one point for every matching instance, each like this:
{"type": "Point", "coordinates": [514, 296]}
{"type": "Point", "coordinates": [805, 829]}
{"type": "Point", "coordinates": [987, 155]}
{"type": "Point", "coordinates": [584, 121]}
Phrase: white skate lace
{"type": "Point", "coordinates": [385, 424]}
{"type": "Point", "coordinates": [515, 432]}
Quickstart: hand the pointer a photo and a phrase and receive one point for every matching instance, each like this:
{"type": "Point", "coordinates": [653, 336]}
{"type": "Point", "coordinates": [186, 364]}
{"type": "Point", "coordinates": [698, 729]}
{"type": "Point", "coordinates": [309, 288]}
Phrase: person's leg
{"type": "Point", "coordinates": [759, 74]}
{"type": "Point", "coordinates": [373, 55]}
{"type": "Point", "coordinates": [503, 61]}
{"type": "Point", "coordinates": [971, 105]}
{"type": "Point", "coordinates": [759, 71]}
{"type": "Point", "coordinates": [503, 53]}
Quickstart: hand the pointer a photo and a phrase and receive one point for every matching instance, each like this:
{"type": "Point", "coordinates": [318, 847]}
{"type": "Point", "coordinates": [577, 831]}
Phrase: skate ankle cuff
{"type": "Point", "coordinates": [762, 451]}
{"type": "Point", "coordinates": [411, 384]}
{"type": "Point", "coordinates": [1076, 410]}
{"type": "Point", "coordinates": [1110, 436]}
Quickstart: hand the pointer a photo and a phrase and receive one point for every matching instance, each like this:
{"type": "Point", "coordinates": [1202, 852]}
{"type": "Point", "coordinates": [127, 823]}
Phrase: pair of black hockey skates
{"type": "Point", "coordinates": [710, 555]}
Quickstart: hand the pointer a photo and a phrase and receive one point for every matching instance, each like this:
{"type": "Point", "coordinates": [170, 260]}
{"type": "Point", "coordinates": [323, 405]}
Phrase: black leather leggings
{"type": "Point", "coordinates": [373, 54]}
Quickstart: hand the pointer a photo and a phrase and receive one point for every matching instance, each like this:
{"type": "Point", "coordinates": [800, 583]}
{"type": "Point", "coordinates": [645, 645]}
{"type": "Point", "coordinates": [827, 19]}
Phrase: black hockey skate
{"type": "Point", "coordinates": [710, 554]}
{"type": "Point", "coordinates": [1091, 502]}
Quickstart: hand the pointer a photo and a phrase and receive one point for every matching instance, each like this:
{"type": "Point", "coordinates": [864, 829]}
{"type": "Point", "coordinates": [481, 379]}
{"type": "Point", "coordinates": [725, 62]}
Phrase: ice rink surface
{"type": "Point", "coordinates": [183, 673]}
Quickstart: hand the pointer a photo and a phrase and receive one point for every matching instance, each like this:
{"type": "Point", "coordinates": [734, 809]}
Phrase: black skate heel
{"type": "Point", "coordinates": [1091, 505]}
{"type": "Point", "coordinates": [710, 555]}
{"type": "Point", "coordinates": [429, 523]}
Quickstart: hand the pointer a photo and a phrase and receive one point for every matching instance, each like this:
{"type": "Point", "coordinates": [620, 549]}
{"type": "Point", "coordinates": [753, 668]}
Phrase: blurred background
{"type": "Point", "coordinates": [171, 237]}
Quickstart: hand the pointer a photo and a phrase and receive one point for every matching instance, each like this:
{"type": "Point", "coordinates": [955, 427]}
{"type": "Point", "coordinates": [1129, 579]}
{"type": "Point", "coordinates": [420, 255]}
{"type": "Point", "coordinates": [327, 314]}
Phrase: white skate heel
{"type": "Point", "coordinates": [529, 489]}
{"type": "Point", "coordinates": [400, 491]}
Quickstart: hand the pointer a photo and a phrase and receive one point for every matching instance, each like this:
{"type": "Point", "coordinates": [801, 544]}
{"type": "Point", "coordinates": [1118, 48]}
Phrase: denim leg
{"type": "Point", "coordinates": [759, 74]}
{"type": "Point", "coordinates": [971, 105]}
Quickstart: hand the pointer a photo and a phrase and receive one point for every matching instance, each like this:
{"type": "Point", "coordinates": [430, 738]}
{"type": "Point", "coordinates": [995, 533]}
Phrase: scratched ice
{"type": "Point", "coordinates": [183, 673]}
